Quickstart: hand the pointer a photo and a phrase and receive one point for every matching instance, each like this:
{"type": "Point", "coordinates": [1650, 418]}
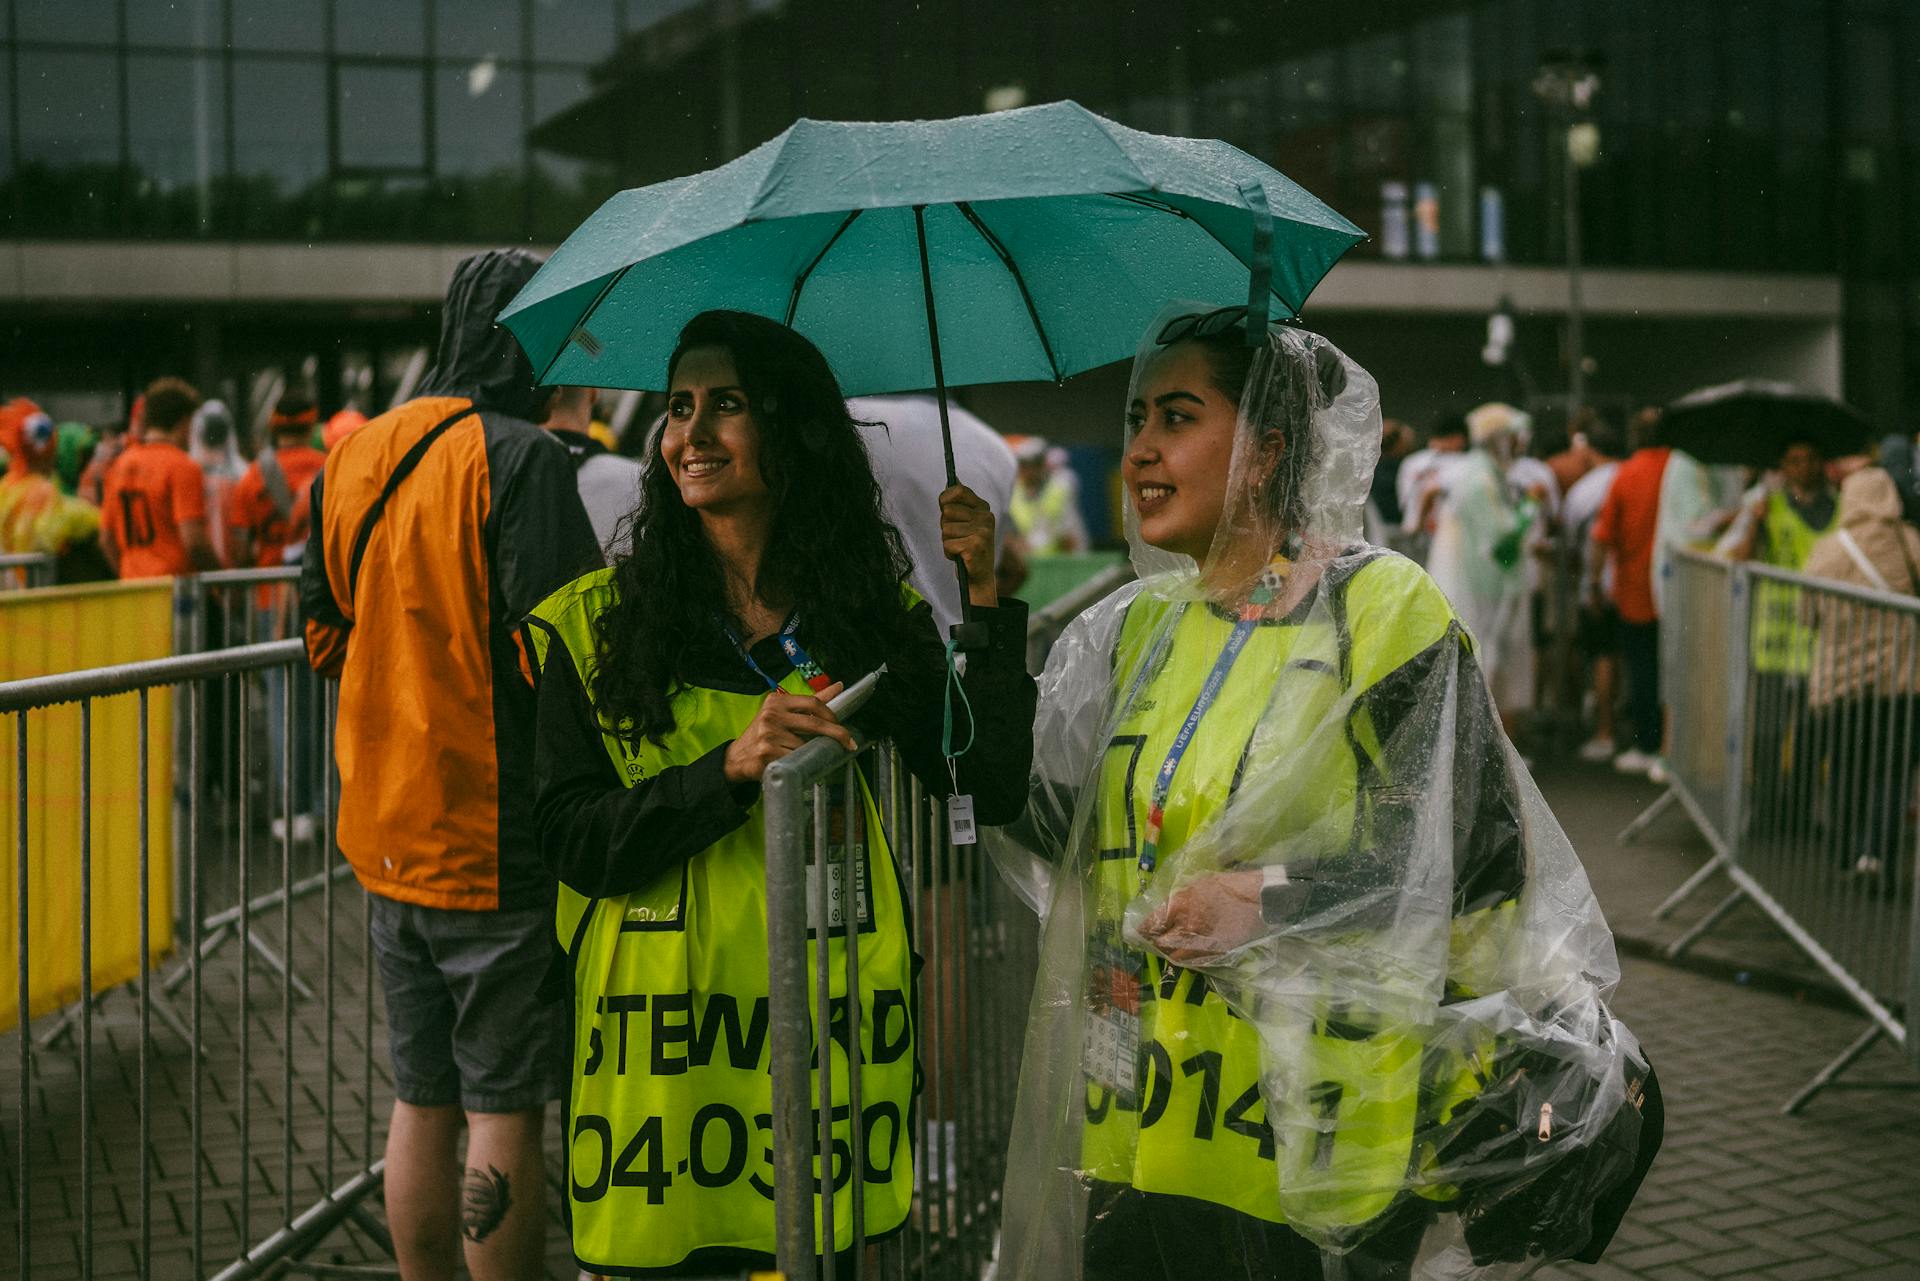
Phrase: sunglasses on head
{"type": "Point", "coordinates": [1201, 324]}
{"type": "Point", "coordinates": [1205, 324]}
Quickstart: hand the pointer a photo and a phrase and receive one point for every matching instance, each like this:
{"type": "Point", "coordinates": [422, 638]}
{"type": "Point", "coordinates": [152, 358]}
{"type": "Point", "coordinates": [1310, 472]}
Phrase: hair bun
{"type": "Point", "coordinates": [1331, 370]}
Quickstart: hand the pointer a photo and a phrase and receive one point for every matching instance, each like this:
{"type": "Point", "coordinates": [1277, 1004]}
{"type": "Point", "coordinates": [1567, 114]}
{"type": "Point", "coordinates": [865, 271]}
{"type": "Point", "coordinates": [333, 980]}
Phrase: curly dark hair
{"type": "Point", "coordinates": [830, 551]}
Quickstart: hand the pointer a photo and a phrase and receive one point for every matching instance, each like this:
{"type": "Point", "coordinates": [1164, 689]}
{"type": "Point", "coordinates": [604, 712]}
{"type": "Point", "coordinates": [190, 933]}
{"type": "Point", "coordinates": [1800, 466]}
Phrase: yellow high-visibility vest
{"type": "Point", "coordinates": [1041, 518]}
{"type": "Point", "coordinates": [1196, 1120]}
{"type": "Point", "coordinates": [671, 1142]}
{"type": "Point", "coordinates": [1782, 642]}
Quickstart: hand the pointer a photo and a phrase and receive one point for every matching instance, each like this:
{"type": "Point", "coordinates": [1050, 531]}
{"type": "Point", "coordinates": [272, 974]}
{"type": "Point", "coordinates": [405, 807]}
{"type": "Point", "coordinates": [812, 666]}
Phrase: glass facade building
{"type": "Point", "coordinates": [298, 119]}
{"type": "Point", "coordinates": [1756, 136]}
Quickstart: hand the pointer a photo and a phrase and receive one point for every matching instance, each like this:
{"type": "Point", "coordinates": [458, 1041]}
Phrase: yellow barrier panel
{"type": "Point", "coordinates": [62, 630]}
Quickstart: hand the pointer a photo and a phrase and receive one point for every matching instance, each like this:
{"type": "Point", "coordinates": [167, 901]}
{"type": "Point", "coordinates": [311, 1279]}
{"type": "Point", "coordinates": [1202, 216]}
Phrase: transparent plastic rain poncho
{"type": "Point", "coordinates": [1387, 1027]}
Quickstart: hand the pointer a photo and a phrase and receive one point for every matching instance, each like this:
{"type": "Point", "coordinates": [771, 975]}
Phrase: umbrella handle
{"type": "Point", "coordinates": [968, 635]}
{"type": "Point", "coordinates": [933, 341]}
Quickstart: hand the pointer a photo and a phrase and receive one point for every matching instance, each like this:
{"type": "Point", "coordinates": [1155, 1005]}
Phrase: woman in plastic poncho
{"type": "Point", "coordinates": [762, 577]}
{"type": "Point", "coordinates": [1304, 909]}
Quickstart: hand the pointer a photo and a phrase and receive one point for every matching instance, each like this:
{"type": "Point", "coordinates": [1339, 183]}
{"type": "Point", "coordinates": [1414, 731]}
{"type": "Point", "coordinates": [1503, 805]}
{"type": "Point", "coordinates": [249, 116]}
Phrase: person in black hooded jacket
{"type": "Point", "coordinates": [436, 527]}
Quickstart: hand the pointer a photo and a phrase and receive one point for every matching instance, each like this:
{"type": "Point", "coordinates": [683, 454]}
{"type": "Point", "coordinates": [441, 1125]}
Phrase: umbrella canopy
{"type": "Point", "coordinates": [1049, 236]}
{"type": "Point", "coordinates": [1750, 423]}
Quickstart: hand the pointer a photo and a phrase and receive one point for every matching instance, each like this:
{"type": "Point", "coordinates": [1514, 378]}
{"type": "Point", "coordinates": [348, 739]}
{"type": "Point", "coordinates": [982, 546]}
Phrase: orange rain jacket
{"type": "Point", "coordinates": [435, 732]}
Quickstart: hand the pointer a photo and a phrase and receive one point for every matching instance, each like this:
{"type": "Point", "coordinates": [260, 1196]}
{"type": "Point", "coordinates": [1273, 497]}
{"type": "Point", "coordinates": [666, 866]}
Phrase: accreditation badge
{"type": "Point", "coordinates": [847, 860]}
{"type": "Point", "coordinates": [1112, 1045]}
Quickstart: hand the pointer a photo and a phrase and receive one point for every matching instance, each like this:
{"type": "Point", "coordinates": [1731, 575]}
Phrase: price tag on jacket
{"type": "Point", "coordinates": [960, 820]}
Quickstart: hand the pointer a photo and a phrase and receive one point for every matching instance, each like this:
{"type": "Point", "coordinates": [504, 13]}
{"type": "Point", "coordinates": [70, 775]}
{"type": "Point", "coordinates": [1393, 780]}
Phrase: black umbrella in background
{"type": "Point", "coordinates": [1750, 423]}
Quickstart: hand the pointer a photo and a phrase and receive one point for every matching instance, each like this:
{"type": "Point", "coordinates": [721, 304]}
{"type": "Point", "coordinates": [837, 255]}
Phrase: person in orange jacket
{"type": "Point", "coordinates": [436, 528]}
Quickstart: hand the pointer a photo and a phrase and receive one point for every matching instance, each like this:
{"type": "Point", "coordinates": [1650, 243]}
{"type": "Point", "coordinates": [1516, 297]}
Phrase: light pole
{"type": "Point", "coordinates": [1568, 83]}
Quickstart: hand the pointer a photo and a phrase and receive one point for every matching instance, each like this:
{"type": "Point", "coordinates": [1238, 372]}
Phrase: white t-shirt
{"type": "Point", "coordinates": [609, 490]}
{"type": "Point", "coordinates": [1527, 474]}
{"type": "Point", "coordinates": [912, 470]}
{"type": "Point", "coordinates": [1424, 469]}
{"type": "Point", "coordinates": [1581, 509]}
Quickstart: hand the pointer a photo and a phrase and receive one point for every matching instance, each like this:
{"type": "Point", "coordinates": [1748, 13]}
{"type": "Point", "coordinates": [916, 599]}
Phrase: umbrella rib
{"type": "Point", "coordinates": [800, 281]}
{"type": "Point", "coordinates": [1151, 204]}
{"type": "Point", "coordinates": [1292, 310]}
{"type": "Point", "coordinates": [1020, 282]}
{"type": "Point", "coordinates": [581, 323]}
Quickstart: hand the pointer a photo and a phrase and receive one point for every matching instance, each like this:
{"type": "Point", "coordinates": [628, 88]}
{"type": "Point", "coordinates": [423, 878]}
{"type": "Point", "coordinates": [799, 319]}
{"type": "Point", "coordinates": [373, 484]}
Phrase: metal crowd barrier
{"type": "Point", "coordinates": [226, 607]}
{"type": "Point", "coordinates": [979, 946]}
{"type": "Point", "coordinates": [1045, 626]}
{"type": "Point", "coordinates": [1795, 745]}
{"type": "Point", "coordinates": [217, 610]}
{"type": "Point", "coordinates": [981, 951]}
{"type": "Point", "coordinates": [25, 569]}
{"type": "Point", "coordinates": [247, 1134]}
{"type": "Point", "coordinates": [225, 1101]}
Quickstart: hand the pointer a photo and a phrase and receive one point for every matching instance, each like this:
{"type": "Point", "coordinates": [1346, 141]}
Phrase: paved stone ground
{"type": "Point", "coordinates": [1739, 1191]}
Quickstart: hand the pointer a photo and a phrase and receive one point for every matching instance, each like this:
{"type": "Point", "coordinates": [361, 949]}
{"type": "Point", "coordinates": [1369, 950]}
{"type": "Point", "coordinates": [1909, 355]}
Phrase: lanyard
{"type": "Point", "coordinates": [1250, 615]}
{"type": "Point", "coordinates": [810, 671]}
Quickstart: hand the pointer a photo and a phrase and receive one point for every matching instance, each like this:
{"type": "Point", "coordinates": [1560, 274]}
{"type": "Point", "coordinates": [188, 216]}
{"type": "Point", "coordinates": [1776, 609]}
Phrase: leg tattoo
{"type": "Point", "coordinates": [484, 1203]}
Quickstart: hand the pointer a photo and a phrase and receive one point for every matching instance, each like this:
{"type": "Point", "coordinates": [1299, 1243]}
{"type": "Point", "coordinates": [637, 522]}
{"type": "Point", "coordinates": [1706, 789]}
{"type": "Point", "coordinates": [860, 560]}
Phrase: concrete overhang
{"type": "Point", "coordinates": [122, 271]}
{"type": "Point", "coordinates": [1605, 292]}
{"type": "Point", "coordinates": [82, 273]}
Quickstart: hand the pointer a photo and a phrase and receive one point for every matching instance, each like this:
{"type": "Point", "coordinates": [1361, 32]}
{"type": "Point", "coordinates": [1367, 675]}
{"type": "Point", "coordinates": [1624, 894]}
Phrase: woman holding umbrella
{"type": "Point", "coordinates": [762, 579]}
{"type": "Point", "coordinates": [1305, 911]}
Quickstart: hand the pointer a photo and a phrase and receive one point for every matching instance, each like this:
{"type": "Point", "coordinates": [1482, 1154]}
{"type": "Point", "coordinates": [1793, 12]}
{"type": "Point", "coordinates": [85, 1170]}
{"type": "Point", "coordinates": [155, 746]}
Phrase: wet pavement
{"type": "Point", "coordinates": [1739, 1191]}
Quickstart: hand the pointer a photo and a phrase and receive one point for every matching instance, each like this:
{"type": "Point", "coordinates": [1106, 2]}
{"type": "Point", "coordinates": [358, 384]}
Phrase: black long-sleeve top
{"type": "Point", "coordinates": [603, 838]}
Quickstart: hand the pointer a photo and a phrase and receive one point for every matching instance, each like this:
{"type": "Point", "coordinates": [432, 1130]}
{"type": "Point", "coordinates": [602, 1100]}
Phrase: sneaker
{"type": "Point", "coordinates": [1633, 761]}
{"type": "Point", "coordinates": [1597, 750]}
{"type": "Point", "coordinates": [303, 829]}
{"type": "Point", "coordinates": [1657, 772]}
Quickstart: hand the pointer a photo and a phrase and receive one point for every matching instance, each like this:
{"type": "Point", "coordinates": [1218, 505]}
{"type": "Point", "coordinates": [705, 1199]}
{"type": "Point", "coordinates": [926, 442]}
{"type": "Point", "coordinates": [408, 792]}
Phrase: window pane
{"type": "Point", "coordinates": [382, 118]}
{"type": "Point", "coordinates": [1687, 116]}
{"type": "Point", "coordinates": [379, 207]}
{"type": "Point", "coordinates": [1377, 73]}
{"type": "Point", "coordinates": [1304, 134]}
{"type": "Point", "coordinates": [565, 189]}
{"type": "Point", "coordinates": [573, 30]}
{"type": "Point", "coordinates": [177, 141]}
{"type": "Point", "coordinates": [294, 26]}
{"type": "Point", "coordinates": [1747, 186]}
{"type": "Point", "coordinates": [478, 141]}
{"type": "Point", "coordinates": [74, 21]}
{"type": "Point", "coordinates": [185, 24]}
{"type": "Point", "coordinates": [6, 134]}
{"type": "Point", "coordinates": [642, 14]}
{"type": "Point", "coordinates": [1444, 65]}
{"type": "Point", "coordinates": [384, 28]}
{"type": "Point", "coordinates": [1870, 202]}
{"type": "Point", "coordinates": [1443, 85]}
{"type": "Point", "coordinates": [69, 164]}
{"type": "Point", "coordinates": [279, 156]}
{"type": "Point", "coordinates": [477, 28]}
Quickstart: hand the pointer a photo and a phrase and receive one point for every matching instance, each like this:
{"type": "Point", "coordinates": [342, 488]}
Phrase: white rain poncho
{"type": "Point", "coordinates": [1362, 990]}
{"type": "Point", "coordinates": [1478, 556]}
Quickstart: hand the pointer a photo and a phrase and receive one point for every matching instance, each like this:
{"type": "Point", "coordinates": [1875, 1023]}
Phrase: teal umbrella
{"type": "Point", "coordinates": [1023, 245]}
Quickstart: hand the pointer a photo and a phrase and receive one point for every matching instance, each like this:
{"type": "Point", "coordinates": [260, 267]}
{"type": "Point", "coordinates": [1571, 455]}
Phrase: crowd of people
{"type": "Point", "coordinates": [1553, 541]}
{"type": "Point", "coordinates": [166, 493]}
{"type": "Point", "coordinates": [1263, 800]}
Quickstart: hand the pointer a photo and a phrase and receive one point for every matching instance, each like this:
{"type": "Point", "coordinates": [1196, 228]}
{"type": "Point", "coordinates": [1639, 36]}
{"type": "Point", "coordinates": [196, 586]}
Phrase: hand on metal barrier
{"type": "Point", "coordinates": [784, 723]}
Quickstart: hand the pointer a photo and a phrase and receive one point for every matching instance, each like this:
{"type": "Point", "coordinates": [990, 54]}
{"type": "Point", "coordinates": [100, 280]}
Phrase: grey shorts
{"type": "Point", "coordinates": [468, 1024]}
